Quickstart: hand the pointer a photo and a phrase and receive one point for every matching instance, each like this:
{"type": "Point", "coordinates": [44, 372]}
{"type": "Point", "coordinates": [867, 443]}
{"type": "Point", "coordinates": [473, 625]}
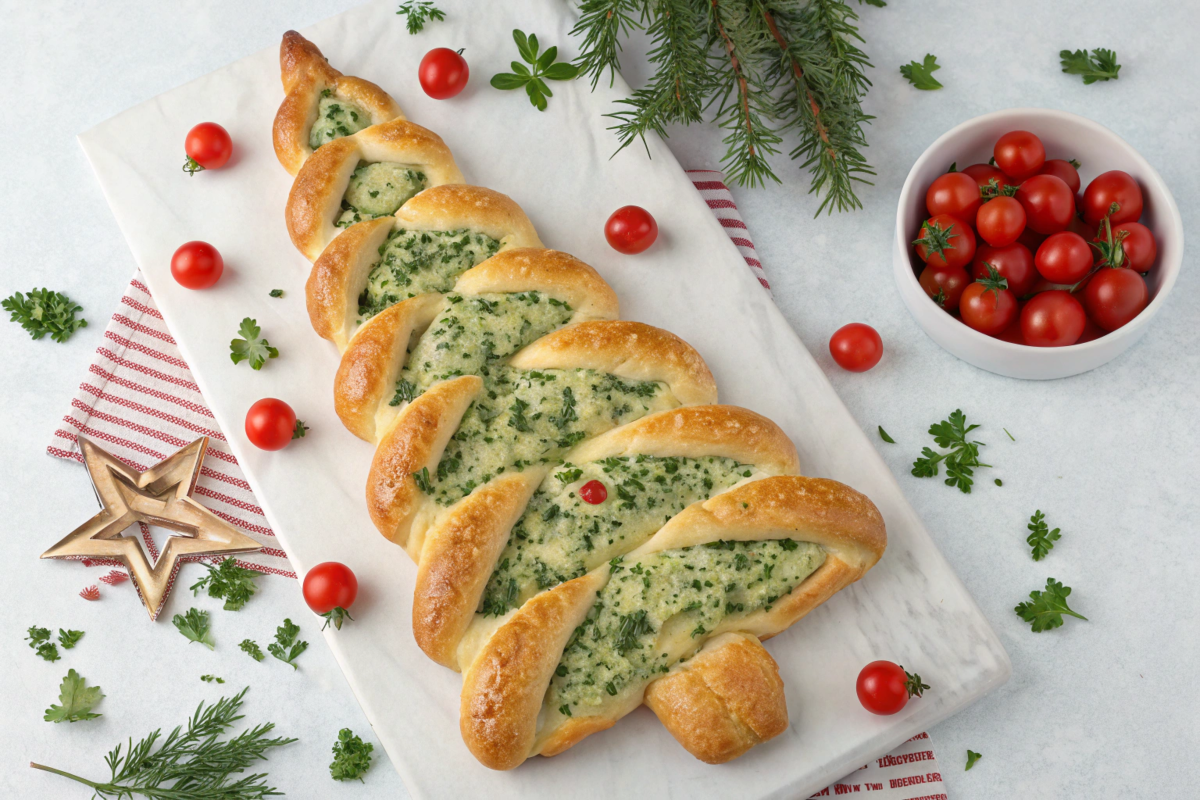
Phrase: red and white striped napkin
{"type": "Point", "coordinates": [140, 402]}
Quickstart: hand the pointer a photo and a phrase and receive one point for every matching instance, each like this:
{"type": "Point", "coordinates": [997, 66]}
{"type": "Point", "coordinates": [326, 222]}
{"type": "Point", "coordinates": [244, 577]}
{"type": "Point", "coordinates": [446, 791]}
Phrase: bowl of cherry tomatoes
{"type": "Point", "coordinates": [1035, 243]}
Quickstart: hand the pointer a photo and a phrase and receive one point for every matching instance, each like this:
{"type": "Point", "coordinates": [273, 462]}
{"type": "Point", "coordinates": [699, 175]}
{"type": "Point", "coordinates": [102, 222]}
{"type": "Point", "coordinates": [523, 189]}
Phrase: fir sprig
{"type": "Point", "coordinates": [195, 764]}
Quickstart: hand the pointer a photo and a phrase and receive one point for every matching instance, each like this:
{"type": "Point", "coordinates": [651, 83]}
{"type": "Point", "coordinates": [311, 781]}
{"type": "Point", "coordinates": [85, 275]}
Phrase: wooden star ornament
{"type": "Point", "coordinates": [159, 496]}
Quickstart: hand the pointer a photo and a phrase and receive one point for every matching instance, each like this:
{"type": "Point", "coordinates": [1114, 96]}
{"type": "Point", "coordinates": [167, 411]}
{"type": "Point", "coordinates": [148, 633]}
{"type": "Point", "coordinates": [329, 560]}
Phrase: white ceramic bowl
{"type": "Point", "coordinates": [1065, 136]}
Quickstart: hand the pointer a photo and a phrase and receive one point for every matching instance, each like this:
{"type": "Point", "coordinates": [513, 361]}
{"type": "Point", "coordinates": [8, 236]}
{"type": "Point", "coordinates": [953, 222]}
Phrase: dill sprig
{"type": "Point", "coordinates": [195, 764]}
{"type": "Point", "coordinates": [763, 68]}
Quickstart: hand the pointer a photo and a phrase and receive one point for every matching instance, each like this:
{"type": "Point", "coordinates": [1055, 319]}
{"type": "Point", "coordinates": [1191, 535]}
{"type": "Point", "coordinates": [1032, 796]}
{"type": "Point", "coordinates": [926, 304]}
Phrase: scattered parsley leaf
{"type": "Point", "coordinates": [418, 12]}
{"type": "Point", "coordinates": [422, 479]}
{"type": "Point", "coordinates": [972, 757]}
{"type": "Point", "coordinates": [884, 435]}
{"type": "Point", "coordinates": [998, 482]}
{"type": "Point", "coordinates": [194, 626]}
{"type": "Point", "coordinates": [285, 647]}
{"type": "Point", "coordinates": [1101, 65]}
{"type": "Point", "coordinates": [250, 347]}
{"type": "Point", "coordinates": [1047, 608]}
{"type": "Point", "coordinates": [250, 648]}
{"type": "Point", "coordinates": [39, 642]}
{"type": "Point", "coordinates": [531, 77]}
{"type": "Point", "coordinates": [277, 293]}
{"type": "Point", "coordinates": [69, 638]}
{"type": "Point", "coordinates": [1041, 538]}
{"type": "Point", "coordinates": [960, 461]}
{"type": "Point", "coordinates": [77, 700]}
{"type": "Point", "coordinates": [211, 679]}
{"type": "Point", "coordinates": [351, 757]}
{"type": "Point", "coordinates": [230, 582]}
{"type": "Point", "coordinates": [914, 685]}
{"type": "Point", "coordinates": [300, 429]}
{"type": "Point", "coordinates": [44, 312]}
{"type": "Point", "coordinates": [921, 75]}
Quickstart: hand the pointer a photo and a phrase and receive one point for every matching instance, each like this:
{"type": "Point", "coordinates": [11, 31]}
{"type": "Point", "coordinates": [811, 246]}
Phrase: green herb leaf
{"type": "Point", "coordinates": [884, 435]}
{"type": "Point", "coordinates": [44, 312]}
{"type": "Point", "coordinates": [230, 582]}
{"type": "Point", "coordinates": [972, 757]}
{"type": "Point", "coordinates": [1046, 610]}
{"type": "Point", "coordinates": [77, 699]}
{"type": "Point", "coordinates": [533, 78]}
{"type": "Point", "coordinates": [68, 639]}
{"type": "Point", "coordinates": [39, 642]}
{"type": "Point", "coordinates": [506, 81]}
{"type": "Point", "coordinates": [351, 757]}
{"type": "Point", "coordinates": [1041, 538]}
{"type": "Point", "coordinates": [418, 12]}
{"type": "Point", "coordinates": [194, 626]}
{"type": "Point", "coordinates": [422, 479]}
{"type": "Point", "coordinates": [250, 347]}
{"type": "Point", "coordinates": [250, 648]}
{"type": "Point", "coordinates": [211, 679]}
{"type": "Point", "coordinates": [962, 458]}
{"type": "Point", "coordinates": [1101, 65]}
{"type": "Point", "coordinates": [277, 293]}
{"type": "Point", "coordinates": [285, 647]}
{"type": "Point", "coordinates": [921, 75]}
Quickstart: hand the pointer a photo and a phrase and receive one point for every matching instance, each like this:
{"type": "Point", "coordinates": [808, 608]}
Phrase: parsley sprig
{"type": "Point", "coordinates": [418, 12]}
{"type": "Point", "coordinates": [962, 458]}
{"type": "Point", "coordinates": [541, 68]}
{"type": "Point", "coordinates": [39, 642]}
{"type": "Point", "coordinates": [1099, 65]}
{"type": "Point", "coordinates": [351, 757]}
{"type": "Point", "coordinates": [1046, 610]}
{"type": "Point", "coordinates": [77, 699]}
{"type": "Point", "coordinates": [251, 648]}
{"type": "Point", "coordinates": [250, 347]}
{"type": "Point", "coordinates": [230, 582]}
{"type": "Point", "coordinates": [285, 647]}
{"type": "Point", "coordinates": [44, 312]}
{"type": "Point", "coordinates": [921, 75]}
{"type": "Point", "coordinates": [1041, 538]}
{"type": "Point", "coordinates": [194, 626]}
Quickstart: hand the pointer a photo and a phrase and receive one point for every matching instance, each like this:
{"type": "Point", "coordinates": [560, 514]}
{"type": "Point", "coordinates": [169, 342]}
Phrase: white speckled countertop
{"type": "Point", "coordinates": [1093, 710]}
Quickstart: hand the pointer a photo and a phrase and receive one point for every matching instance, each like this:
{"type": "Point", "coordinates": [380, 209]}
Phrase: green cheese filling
{"type": "Point", "coordinates": [473, 332]}
{"type": "Point", "coordinates": [561, 537]}
{"type": "Point", "coordinates": [378, 189]}
{"type": "Point", "coordinates": [336, 118]}
{"type": "Point", "coordinates": [533, 417]}
{"type": "Point", "coordinates": [658, 610]}
{"type": "Point", "coordinates": [415, 262]}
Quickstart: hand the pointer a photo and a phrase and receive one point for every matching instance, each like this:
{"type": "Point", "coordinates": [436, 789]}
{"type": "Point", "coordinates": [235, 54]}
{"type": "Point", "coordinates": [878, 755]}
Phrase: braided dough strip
{"type": "Point", "coordinates": [461, 551]}
{"type": "Point", "coordinates": [502, 718]}
{"type": "Point", "coordinates": [372, 361]}
{"type": "Point", "coordinates": [306, 75]}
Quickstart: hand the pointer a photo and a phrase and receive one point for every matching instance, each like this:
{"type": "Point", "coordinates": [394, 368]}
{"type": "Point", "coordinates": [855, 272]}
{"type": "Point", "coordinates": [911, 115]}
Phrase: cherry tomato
{"type": "Point", "coordinates": [1052, 319]}
{"type": "Point", "coordinates": [955, 194]}
{"type": "Point", "coordinates": [950, 281]}
{"type": "Point", "coordinates": [1063, 258]}
{"type": "Point", "coordinates": [987, 309]}
{"type": "Point", "coordinates": [883, 687]}
{"type": "Point", "coordinates": [1113, 297]}
{"type": "Point", "coordinates": [197, 265]}
{"type": "Point", "coordinates": [1139, 245]}
{"type": "Point", "coordinates": [1049, 204]}
{"type": "Point", "coordinates": [1013, 262]}
{"type": "Point", "coordinates": [330, 589]}
{"type": "Point", "coordinates": [443, 73]}
{"type": "Point", "coordinates": [1000, 221]}
{"type": "Point", "coordinates": [982, 173]}
{"type": "Point", "coordinates": [945, 241]}
{"type": "Point", "coordinates": [1064, 171]}
{"type": "Point", "coordinates": [1108, 188]}
{"type": "Point", "coordinates": [208, 146]}
{"type": "Point", "coordinates": [630, 230]}
{"type": "Point", "coordinates": [270, 424]}
{"type": "Point", "coordinates": [1019, 154]}
{"type": "Point", "coordinates": [856, 347]}
{"type": "Point", "coordinates": [593, 493]}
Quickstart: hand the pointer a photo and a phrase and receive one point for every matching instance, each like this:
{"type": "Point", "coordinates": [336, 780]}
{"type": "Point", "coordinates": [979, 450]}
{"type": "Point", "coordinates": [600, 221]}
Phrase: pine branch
{"type": "Point", "coordinates": [602, 24]}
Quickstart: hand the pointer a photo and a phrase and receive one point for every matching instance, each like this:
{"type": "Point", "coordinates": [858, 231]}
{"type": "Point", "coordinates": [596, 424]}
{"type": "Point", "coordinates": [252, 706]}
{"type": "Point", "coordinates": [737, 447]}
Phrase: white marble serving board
{"type": "Point", "coordinates": [911, 608]}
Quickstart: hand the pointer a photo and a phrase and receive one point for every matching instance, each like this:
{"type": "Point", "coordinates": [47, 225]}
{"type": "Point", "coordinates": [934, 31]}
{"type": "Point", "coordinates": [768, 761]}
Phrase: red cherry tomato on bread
{"type": "Point", "coordinates": [1064, 171]}
{"type": "Point", "coordinates": [1014, 263]}
{"type": "Point", "coordinates": [1063, 258]}
{"type": "Point", "coordinates": [443, 73]}
{"type": "Point", "coordinates": [856, 347]}
{"type": "Point", "coordinates": [945, 241]}
{"type": "Point", "coordinates": [1049, 204]}
{"type": "Point", "coordinates": [208, 146]}
{"type": "Point", "coordinates": [1052, 319]}
{"type": "Point", "coordinates": [1000, 221]}
{"type": "Point", "coordinates": [270, 424]}
{"type": "Point", "coordinates": [884, 688]}
{"type": "Point", "coordinates": [593, 492]}
{"type": "Point", "coordinates": [949, 281]}
{"type": "Point", "coordinates": [1019, 154]}
{"type": "Point", "coordinates": [987, 308]}
{"type": "Point", "coordinates": [1109, 188]}
{"type": "Point", "coordinates": [630, 230]}
{"type": "Point", "coordinates": [197, 265]}
{"type": "Point", "coordinates": [1113, 297]}
{"type": "Point", "coordinates": [956, 194]}
{"type": "Point", "coordinates": [1138, 243]}
{"type": "Point", "coordinates": [330, 589]}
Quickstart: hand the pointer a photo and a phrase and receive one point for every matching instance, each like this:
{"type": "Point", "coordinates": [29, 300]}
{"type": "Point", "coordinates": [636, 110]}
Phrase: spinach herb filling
{"type": "Point", "coordinates": [657, 611]}
{"type": "Point", "coordinates": [377, 189]}
{"type": "Point", "coordinates": [415, 262]}
{"type": "Point", "coordinates": [336, 118]}
{"type": "Point", "coordinates": [560, 537]}
{"type": "Point", "coordinates": [472, 333]}
{"type": "Point", "coordinates": [533, 417]}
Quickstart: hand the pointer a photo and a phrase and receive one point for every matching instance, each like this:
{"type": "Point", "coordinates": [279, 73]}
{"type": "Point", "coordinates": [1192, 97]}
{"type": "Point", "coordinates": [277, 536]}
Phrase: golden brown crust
{"type": "Point", "coordinates": [629, 350]}
{"type": "Point", "coordinates": [725, 700]}
{"type": "Point", "coordinates": [367, 374]}
{"type": "Point", "coordinates": [306, 73]}
{"type": "Point", "coordinates": [315, 200]}
{"type": "Point", "coordinates": [560, 275]}
{"type": "Point", "coordinates": [504, 686]}
{"type": "Point", "coordinates": [454, 206]}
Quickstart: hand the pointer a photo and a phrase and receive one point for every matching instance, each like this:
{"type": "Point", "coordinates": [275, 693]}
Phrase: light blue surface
{"type": "Point", "coordinates": [1110, 456]}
